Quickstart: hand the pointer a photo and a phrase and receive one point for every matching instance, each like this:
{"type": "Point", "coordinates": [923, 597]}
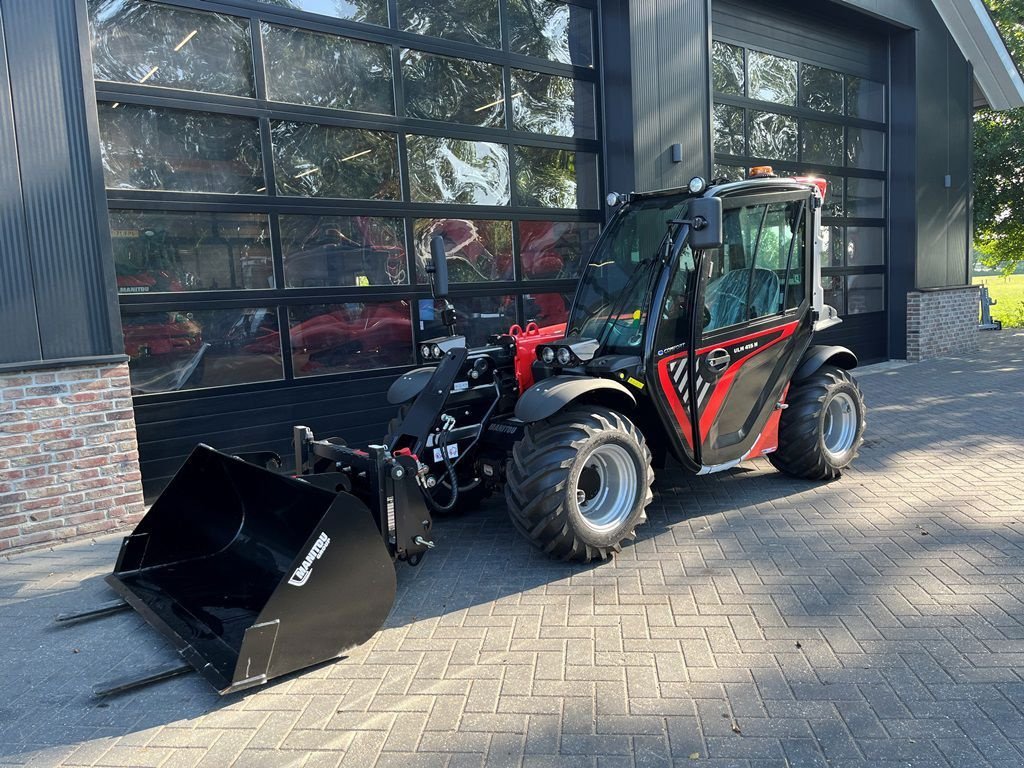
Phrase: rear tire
{"type": "Point", "coordinates": [822, 430]}
{"type": "Point", "coordinates": [578, 484]}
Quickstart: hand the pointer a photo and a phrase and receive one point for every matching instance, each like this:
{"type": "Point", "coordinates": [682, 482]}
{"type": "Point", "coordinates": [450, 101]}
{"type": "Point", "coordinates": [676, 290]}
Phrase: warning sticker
{"type": "Point", "coordinates": [453, 453]}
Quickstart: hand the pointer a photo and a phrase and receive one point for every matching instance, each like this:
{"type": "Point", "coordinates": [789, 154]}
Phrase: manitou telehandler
{"type": "Point", "coordinates": [690, 337]}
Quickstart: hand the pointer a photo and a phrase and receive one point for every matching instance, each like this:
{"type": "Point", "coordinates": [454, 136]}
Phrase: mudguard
{"type": "Point", "coordinates": [548, 397]}
{"type": "Point", "coordinates": [408, 385]}
{"type": "Point", "coordinates": [819, 355]}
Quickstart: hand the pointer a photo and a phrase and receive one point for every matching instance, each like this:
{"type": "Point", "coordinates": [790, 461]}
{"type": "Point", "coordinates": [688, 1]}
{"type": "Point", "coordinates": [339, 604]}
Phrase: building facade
{"type": "Point", "coordinates": [222, 209]}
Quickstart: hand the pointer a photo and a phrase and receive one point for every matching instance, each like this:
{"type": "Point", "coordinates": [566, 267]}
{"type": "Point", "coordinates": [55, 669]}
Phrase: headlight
{"type": "Point", "coordinates": [435, 350]}
{"type": "Point", "coordinates": [425, 351]}
{"type": "Point", "coordinates": [697, 185]}
{"type": "Point", "coordinates": [564, 356]}
{"type": "Point", "coordinates": [547, 355]}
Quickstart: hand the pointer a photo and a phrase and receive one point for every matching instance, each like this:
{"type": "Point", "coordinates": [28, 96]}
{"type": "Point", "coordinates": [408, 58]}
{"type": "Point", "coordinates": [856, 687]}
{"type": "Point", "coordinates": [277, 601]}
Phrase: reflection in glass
{"type": "Point", "coordinates": [547, 308]}
{"type": "Point", "coordinates": [468, 21]}
{"type": "Point", "coordinates": [555, 250]}
{"type": "Point", "coordinates": [865, 198]}
{"type": "Point", "coordinates": [727, 69]}
{"type": "Point", "coordinates": [171, 149]}
{"type": "Point", "coordinates": [171, 351]}
{"type": "Point", "coordinates": [326, 161]}
{"type": "Point", "coordinates": [477, 250]}
{"type": "Point", "coordinates": [327, 70]}
{"type": "Point", "coordinates": [822, 143]}
{"type": "Point", "coordinates": [557, 106]}
{"type": "Point", "coordinates": [730, 133]}
{"type": "Point", "coordinates": [479, 317]}
{"type": "Point", "coordinates": [159, 251]}
{"type": "Point", "coordinates": [332, 250]}
{"type": "Point", "coordinates": [832, 246]}
{"type": "Point", "coordinates": [834, 287]}
{"type": "Point", "coordinates": [556, 178]}
{"type": "Point", "coordinates": [772, 137]}
{"type": "Point", "coordinates": [134, 41]}
{"type": "Point", "coordinates": [865, 246]}
{"type": "Point", "coordinates": [730, 172]}
{"type": "Point", "coordinates": [865, 99]}
{"type": "Point", "coordinates": [834, 197]}
{"type": "Point", "coordinates": [551, 30]}
{"type": "Point", "coordinates": [772, 78]}
{"type": "Point", "coordinates": [865, 149]}
{"type": "Point", "coordinates": [355, 336]}
{"type": "Point", "coordinates": [454, 171]}
{"type": "Point", "coordinates": [865, 293]}
{"type": "Point", "coordinates": [368, 11]}
{"type": "Point", "coordinates": [821, 89]}
{"type": "Point", "coordinates": [450, 89]}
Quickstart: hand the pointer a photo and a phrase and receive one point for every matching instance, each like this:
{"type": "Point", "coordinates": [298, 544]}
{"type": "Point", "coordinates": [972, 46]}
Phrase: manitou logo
{"type": "Point", "coordinates": [303, 572]}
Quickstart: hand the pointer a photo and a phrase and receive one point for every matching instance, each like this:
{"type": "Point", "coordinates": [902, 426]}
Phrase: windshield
{"type": "Point", "coordinates": [612, 302]}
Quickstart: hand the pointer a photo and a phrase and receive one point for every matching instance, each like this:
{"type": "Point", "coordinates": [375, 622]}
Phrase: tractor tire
{"type": "Point", "coordinates": [578, 484]}
{"type": "Point", "coordinates": [822, 430]}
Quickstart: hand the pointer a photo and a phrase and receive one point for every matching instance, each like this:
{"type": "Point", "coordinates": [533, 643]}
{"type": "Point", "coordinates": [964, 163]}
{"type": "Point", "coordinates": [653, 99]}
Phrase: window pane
{"type": "Point", "coordinates": [557, 106]}
{"type": "Point", "coordinates": [326, 161]}
{"type": "Point", "coordinates": [368, 11]}
{"type": "Point", "coordinates": [547, 308]}
{"type": "Point", "coordinates": [865, 99]}
{"type": "Point", "coordinates": [556, 178]}
{"type": "Point", "coordinates": [477, 251]}
{"type": "Point", "coordinates": [730, 172]}
{"type": "Point", "coordinates": [780, 257]}
{"type": "Point", "coordinates": [170, 351]}
{"type": "Point", "coordinates": [327, 71]}
{"type": "Point", "coordinates": [833, 244]}
{"type": "Point", "coordinates": [772, 78]}
{"type": "Point", "coordinates": [478, 317]}
{"type": "Point", "coordinates": [551, 30]}
{"type": "Point", "coordinates": [865, 246]}
{"type": "Point", "coordinates": [157, 251]}
{"type": "Point", "coordinates": [134, 41]}
{"type": "Point", "coordinates": [822, 143]}
{"type": "Point", "coordinates": [171, 149]}
{"type": "Point", "coordinates": [355, 336]}
{"type": "Point", "coordinates": [772, 137]}
{"type": "Point", "coordinates": [555, 250]}
{"type": "Point", "coordinates": [834, 205]}
{"type": "Point", "coordinates": [865, 293]}
{"type": "Point", "coordinates": [821, 89]}
{"type": "Point", "coordinates": [730, 133]}
{"type": "Point", "coordinates": [454, 171]}
{"type": "Point", "coordinates": [865, 149]}
{"type": "Point", "coordinates": [333, 250]}
{"type": "Point", "coordinates": [456, 90]}
{"type": "Point", "coordinates": [727, 69]}
{"type": "Point", "coordinates": [865, 198]}
{"type": "Point", "coordinates": [834, 288]}
{"type": "Point", "coordinates": [469, 21]}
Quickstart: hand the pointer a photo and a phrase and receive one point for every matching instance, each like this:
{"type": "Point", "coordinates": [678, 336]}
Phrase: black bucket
{"type": "Point", "coordinates": [253, 574]}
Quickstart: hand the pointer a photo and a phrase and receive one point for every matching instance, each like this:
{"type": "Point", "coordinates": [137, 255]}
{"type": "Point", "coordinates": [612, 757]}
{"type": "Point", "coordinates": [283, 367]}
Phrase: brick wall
{"type": "Point", "coordinates": [69, 461]}
{"type": "Point", "coordinates": [942, 323]}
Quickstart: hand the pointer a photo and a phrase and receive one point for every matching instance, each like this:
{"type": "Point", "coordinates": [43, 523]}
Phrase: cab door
{"type": "Point", "coordinates": [755, 296]}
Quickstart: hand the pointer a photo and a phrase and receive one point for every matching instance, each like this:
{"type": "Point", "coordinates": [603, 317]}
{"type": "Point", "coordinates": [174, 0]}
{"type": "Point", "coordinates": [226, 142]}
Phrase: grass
{"type": "Point", "coordinates": [1009, 293]}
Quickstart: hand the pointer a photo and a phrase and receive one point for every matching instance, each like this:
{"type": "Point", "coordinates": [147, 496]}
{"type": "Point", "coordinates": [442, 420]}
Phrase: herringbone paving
{"type": "Point", "coordinates": [758, 622]}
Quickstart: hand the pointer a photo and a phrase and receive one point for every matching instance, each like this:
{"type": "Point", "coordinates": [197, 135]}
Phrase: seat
{"type": "Point", "coordinates": [726, 297]}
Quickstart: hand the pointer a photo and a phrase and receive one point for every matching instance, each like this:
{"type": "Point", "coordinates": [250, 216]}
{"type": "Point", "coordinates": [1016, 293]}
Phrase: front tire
{"type": "Point", "coordinates": [579, 483]}
{"type": "Point", "coordinates": [822, 430]}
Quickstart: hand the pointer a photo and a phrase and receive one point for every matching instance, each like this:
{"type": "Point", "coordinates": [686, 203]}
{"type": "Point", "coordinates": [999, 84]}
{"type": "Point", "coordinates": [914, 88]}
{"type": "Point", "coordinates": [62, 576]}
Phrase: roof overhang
{"type": "Point", "coordinates": [997, 79]}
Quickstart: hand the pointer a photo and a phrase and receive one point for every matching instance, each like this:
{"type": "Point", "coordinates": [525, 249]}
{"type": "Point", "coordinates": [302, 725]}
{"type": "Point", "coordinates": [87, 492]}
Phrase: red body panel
{"type": "Point", "coordinates": [768, 442]}
{"type": "Point", "coordinates": [527, 341]}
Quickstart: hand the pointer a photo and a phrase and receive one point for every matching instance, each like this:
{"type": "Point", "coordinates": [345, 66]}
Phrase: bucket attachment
{"type": "Point", "coordinates": [253, 574]}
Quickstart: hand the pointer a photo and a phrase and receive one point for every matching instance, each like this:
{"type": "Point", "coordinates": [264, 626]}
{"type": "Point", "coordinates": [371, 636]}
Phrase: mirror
{"type": "Point", "coordinates": [438, 268]}
{"type": "Point", "coordinates": [706, 230]}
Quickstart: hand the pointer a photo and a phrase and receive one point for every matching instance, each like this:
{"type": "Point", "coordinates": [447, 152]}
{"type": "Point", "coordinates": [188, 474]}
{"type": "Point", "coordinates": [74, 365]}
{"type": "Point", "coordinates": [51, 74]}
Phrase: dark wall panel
{"type": "Point", "coordinates": [960, 98]}
{"type": "Point", "coordinates": [671, 99]}
{"type": "Point", "coordinates": [17, 304]}
{"type": "Point", "coordinates": [72, 269]}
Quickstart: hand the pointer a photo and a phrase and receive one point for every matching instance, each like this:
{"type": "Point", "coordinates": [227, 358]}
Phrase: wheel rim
{"type": "Point", "coordinates": [606, 488]}
{"type": "Point", "coordinates": [840, 428]}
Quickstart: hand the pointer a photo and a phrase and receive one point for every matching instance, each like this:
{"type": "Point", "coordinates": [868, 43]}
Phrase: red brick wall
{"type": "Point", "coordinates": [69, 460]}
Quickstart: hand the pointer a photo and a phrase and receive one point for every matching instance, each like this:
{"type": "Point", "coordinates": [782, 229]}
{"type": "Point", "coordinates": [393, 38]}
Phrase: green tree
{"type": "Point", "coordinates": [999, 161]}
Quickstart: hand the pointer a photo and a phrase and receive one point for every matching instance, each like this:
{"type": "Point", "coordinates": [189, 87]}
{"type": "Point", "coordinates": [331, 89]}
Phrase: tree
{"type": "Point", "coordinates": [999, 161]}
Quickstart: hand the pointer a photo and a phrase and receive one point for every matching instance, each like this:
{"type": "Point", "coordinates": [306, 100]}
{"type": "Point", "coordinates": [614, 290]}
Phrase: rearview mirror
{"type": "Point", "coordinates": [705, 215]}
{"type": "Point", "coordinates": [438, 268]}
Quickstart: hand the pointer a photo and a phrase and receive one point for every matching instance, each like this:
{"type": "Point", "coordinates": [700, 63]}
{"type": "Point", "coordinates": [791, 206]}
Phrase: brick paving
{"type": "Point", "coordinates": [758, 622]}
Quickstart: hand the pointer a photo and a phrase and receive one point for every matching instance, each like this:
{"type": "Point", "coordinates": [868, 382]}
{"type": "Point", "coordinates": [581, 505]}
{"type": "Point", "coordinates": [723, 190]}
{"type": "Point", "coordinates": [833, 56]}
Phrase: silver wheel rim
{"type": "Point", "coordinates": [606, 488]}
{"type": "Point", "coordinates": [840, 428]}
